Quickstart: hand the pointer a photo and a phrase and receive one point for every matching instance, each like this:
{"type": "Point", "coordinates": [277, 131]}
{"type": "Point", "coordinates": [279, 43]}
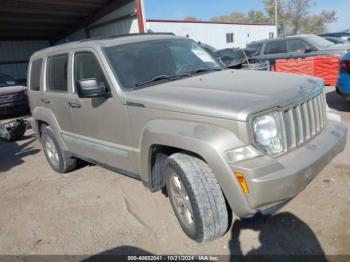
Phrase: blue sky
{"type": "Point", "coordinates": [205, 9]}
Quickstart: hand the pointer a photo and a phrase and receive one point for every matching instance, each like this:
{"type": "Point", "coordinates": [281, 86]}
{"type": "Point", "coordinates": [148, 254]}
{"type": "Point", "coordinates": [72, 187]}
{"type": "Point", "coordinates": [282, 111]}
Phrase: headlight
{"type": "Point", "coordinates": [267, 133]}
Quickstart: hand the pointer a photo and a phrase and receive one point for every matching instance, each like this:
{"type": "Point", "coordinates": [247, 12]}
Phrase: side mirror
{"type": "Point", "coordinates": [89, 88]}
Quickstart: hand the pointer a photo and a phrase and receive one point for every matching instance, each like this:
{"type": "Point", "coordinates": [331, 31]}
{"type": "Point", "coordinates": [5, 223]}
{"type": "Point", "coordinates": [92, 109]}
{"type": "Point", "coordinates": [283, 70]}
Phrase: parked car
{"type": "Point", "coordinates": [160, 109]}
{"type": "Point", "coordinates": [341, 35]}
{"type": "Point", "coordinates": [13, 97]}
{"type": "Point", "coordinates": [232, 56]}
{"type": "Point", "coordinates": [343, 85]}
{"type": "Point", "coordinates": [300, 46]}
{"type": "Point", "coordinates": [235, 58]}
{"type": "Point", "coordinates": [336, 40]}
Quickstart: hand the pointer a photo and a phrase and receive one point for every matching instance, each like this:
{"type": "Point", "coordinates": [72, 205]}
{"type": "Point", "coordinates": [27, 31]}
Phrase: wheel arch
{"type": "Point", "coordinates": [205, 141]}
{"type": "Point", "coordinates": [44, 116]}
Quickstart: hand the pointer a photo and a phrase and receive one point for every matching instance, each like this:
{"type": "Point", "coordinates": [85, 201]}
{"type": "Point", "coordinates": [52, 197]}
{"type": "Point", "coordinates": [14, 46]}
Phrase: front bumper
{"type": "Point", "coordinates": [14, 107]}
{"type": "Point", "coordinates": [273, 181]}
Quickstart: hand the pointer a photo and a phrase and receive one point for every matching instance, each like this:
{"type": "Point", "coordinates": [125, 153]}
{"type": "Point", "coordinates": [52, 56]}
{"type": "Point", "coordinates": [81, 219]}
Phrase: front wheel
{"type": "Point", "coordinates": [196, 197]}
{"type": "Point", "coordinates": [58, 160]}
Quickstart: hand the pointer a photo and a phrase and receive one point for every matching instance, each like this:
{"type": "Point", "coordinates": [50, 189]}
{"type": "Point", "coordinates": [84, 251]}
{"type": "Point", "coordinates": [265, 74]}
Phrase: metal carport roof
{"type": "Point", "coordinates": [51, 19]}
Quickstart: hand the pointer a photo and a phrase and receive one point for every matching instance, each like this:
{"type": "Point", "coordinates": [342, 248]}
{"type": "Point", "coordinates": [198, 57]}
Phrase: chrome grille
{"type": "Point", "coordinates": [11, 97]}
{"type": "Point", "coordinates": [304, 121]}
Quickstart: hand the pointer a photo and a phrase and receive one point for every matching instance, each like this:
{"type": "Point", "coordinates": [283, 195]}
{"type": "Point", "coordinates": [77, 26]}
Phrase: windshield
{"type": "Point", "coordinates": [6, 80]}
{"type": "Point", "coordinates": [148, 63]}
{"type": "Point", "coordinates": [318, 41]}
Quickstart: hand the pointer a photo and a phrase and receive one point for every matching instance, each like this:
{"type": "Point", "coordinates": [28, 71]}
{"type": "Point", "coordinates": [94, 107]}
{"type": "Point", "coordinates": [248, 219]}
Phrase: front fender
{"type": "Point", "coordinates": [209, 142]}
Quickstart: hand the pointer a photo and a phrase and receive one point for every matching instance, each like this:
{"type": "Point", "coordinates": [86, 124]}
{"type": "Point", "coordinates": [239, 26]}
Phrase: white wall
{"type": "Point", "coordinates": [215, 34]}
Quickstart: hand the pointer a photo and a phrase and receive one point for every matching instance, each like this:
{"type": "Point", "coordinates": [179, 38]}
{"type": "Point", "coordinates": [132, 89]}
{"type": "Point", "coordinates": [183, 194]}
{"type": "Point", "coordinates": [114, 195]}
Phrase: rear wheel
{"type": "Point", "coordinates": [58, 160]}
{"type": "Point", "coordinates": [196, 197]}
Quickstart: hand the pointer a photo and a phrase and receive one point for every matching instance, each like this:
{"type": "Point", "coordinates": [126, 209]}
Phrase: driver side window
{"type": "Point", "coordinates": [297, 45]}
{"type": "Point", "coordinates": [86, 67]}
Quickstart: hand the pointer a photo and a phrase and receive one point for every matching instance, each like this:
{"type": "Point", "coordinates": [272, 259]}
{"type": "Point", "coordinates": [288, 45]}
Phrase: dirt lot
{"type": "Point", "coordinates": [93, 210]}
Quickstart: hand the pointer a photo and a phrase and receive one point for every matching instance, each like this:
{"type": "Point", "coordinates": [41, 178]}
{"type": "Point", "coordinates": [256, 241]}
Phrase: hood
{"type": "Point", "coordinates": [339, 47]}
{"type": "Point", "coordinates": [229, 94]}
{"type": "Point", "coordinates": [11, 90]}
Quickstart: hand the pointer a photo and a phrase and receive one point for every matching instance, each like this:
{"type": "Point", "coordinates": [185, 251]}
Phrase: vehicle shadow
{"type": "Point", "coordinates": [116, 253]}
{"type": "Point", "coordinates": [280, 235]}
{"type": "Point", "coordinates": [337, 102]}
{"type": "Point", "coordinates": [12, 153]}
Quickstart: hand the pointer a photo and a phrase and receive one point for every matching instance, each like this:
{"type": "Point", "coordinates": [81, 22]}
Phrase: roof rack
{"type": "Point", "coordinates": [125, 35]}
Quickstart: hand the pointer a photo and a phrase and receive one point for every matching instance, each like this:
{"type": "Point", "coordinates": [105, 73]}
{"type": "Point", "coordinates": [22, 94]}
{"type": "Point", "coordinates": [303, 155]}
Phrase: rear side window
{"type": "Point", "coordinates": [57, 73]}
{"type": "Point", "coordinates": [35, 74]}
{"type": "Point", "coordinates": [275, 47]}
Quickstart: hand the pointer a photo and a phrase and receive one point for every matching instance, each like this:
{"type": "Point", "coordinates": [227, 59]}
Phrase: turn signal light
{"type": "Point", "coordinates": [242, 182]}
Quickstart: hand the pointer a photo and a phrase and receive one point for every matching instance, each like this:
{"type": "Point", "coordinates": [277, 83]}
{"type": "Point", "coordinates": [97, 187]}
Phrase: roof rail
{"type": "Point", "coordinates": [124, 35]}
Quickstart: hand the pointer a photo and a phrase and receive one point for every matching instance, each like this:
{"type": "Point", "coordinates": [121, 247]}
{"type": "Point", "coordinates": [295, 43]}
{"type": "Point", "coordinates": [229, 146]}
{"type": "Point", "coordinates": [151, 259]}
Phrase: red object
{"type": "Point", "coordinates": [140, 16]}
{"type": "Point", "coordinates": [325, 67]}
{"type": "Point", "coordinates": [346, 65]}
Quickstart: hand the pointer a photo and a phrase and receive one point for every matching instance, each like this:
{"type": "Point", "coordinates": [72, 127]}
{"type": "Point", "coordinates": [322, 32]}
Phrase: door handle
{"type": "Point", "coordinates": [74, 104]}
{"type": "Point", "coordinates": [45, 100]}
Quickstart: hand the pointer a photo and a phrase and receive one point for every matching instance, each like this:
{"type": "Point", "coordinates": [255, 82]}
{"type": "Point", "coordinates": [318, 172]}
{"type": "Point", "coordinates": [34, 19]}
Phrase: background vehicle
{"type": "Point", "coordinates": [341, 35]}
{"type": "Point", "coordinates": [160, 109]}
{"type": "Point", "coordinates": [300, 46]}
{"type": "Point", "coordinates": [336, 40]}
{"type": "Point", "coordinates": [343, 85]}
{"type": "Point", "coordinates": [236, 58]}
{"type": "Point", "coordinates": [13, 97]}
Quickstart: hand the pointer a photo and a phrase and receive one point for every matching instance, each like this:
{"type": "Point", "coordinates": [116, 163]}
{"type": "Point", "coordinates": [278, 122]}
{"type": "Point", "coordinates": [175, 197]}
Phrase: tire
{"type": "Point", "coordinates": [58, 160]}
{"type": "Point", "coordinates": [202, 200]}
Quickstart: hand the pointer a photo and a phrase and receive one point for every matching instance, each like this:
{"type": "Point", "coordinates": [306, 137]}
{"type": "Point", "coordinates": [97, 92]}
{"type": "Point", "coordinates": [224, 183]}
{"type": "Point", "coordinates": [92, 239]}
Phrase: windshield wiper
{"type": "Point", "coordinates": [203, 70]}
{"type": "Point", "coordinates": [162, 77]}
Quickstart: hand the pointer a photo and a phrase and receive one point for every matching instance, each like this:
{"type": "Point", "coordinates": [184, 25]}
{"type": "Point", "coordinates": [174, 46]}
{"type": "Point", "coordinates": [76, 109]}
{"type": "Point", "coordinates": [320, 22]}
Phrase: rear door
{"type": "Point", "coordinates": [274, 50]}
{"type": "Point", "coordinates": [101, 126]}
{"type": "Point", "coordinates": [56, 91]}
{"type": "Point", "coordinates": [35, 84]}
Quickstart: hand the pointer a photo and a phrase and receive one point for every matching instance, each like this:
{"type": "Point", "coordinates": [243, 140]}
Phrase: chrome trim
{"type": "Point", "coordinates": [304, 121]}
{"type": "Point", "coordinates": [300, 122]}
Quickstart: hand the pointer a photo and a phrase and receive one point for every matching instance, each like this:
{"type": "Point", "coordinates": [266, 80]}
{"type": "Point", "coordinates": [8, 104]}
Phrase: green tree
{"type": "Point", "coordinates": [317, 24]}
{"type": "Point", "coordinates": [294, 17]}
{"type": "Point", "coordinates": [257, 17]}
{"type": "Point", "coordinates": [283, 16]}
{"type": "Point", "coordinates": [234, 17]}
{"type": "Point", "coordinates": [190, 18]}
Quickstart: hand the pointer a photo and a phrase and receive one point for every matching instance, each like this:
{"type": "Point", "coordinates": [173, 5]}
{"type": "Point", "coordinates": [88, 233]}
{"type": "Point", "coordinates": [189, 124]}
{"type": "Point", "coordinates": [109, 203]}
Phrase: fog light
{"type": "Point", "coordinates": [242, 182]}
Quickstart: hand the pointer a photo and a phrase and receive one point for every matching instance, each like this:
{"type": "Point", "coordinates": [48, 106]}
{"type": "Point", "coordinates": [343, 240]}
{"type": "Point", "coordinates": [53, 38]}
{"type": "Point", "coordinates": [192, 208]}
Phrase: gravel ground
{"type": "Point", "coordinates": [93, 211]}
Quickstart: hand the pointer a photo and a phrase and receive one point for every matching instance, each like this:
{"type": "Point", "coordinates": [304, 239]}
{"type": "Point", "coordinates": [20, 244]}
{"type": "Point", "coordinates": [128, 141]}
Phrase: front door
{"type": "Point", "coordinates": [275, 50]}
{"type": "Point", "coordinates": [101, 127]}
{"type": "Point", "coordinates": [299, 48]}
